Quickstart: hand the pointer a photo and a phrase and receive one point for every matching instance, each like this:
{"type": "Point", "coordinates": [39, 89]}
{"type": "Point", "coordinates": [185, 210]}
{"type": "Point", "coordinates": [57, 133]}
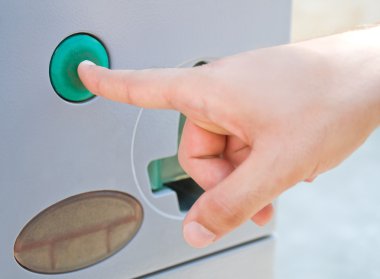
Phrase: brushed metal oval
{"type": "Point", "coordinates": [78, 232]}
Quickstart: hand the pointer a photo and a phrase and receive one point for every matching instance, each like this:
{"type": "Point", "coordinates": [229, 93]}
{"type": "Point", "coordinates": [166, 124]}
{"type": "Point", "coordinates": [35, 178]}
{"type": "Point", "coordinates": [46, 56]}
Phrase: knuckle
{"type": "Point", "coordinates": [127, 90]}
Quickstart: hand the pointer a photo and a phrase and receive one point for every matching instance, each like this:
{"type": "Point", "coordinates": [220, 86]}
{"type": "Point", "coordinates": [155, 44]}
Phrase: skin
{"type": "Point", "coordinates": [259, 122]}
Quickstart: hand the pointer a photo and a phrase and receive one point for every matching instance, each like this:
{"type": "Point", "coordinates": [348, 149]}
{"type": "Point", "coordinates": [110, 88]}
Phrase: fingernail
{"type": "Point", "coordinates": [87, 62]}
{"type": "Point", "coordinates": [198, 236]}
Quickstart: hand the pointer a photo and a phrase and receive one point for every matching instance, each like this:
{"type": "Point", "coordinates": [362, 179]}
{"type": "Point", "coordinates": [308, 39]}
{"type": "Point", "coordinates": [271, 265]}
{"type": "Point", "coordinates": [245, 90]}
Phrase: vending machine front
{"type": "Point", "coordinates": [92, 188]}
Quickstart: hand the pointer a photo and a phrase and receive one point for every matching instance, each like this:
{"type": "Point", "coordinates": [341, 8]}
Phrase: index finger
{"type": "Point", "coordinates": [152, 88]}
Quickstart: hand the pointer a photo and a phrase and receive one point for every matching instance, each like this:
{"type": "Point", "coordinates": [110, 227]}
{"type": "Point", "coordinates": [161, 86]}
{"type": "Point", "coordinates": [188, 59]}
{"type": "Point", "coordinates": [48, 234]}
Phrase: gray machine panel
{"type": "Point", "coordinates": [253, 260]}
{"type": "Point", "coordinates": [51, 149]}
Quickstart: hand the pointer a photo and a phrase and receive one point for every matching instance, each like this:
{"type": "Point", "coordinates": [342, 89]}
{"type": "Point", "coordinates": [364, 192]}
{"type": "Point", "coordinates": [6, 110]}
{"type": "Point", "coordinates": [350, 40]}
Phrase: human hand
{"type": "Point", "coordinates": [258, 122]}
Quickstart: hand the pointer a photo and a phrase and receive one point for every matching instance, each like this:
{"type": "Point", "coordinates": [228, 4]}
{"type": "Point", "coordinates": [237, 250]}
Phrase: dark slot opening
{"type": "Point", "coordinates": [187, 191]}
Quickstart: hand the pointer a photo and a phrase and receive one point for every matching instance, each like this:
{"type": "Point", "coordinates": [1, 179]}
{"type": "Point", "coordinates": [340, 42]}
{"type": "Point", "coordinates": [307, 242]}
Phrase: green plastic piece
{"type": "Point", "coordinates": [166, 170]}
{"type": "Point", "coordinates": [64, 63]}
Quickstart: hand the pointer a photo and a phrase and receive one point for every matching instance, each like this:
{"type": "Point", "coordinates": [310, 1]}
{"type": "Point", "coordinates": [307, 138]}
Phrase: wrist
{"type": "Point", "coordinates": [363, 62]}
{"type": "Point", "coordinates": [353, 60]}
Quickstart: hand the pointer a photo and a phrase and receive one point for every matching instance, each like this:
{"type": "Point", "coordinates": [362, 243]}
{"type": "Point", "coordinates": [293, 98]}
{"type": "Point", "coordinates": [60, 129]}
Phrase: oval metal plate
{"type": "Point", "coordinates": [78, 232]}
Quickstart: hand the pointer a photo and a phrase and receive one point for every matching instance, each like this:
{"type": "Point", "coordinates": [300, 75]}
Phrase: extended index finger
{"type": "Point", "coordinates": [152, 88]}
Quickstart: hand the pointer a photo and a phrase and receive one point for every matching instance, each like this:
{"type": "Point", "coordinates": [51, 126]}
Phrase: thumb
{"type": "Point", "coordinates": [167, 88]}
{"type": "Point", "coordinates": [235, 200]}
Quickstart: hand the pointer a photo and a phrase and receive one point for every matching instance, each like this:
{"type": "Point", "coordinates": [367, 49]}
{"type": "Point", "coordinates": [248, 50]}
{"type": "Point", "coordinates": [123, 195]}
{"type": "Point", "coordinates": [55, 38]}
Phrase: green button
{"type": "Point", "coordinates": [64, 63]}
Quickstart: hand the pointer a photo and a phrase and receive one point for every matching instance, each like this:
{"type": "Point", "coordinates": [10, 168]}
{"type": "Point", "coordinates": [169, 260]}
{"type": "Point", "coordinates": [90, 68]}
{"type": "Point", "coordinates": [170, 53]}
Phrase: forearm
{"type": "Point", "coordinates": [353, 60]}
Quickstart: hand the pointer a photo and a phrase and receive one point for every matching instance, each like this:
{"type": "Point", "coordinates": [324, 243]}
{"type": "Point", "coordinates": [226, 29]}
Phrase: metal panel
{"type": "Point", "coordinates": [253, 260]}
{"type": "Point", "coordinates": [51, 149]}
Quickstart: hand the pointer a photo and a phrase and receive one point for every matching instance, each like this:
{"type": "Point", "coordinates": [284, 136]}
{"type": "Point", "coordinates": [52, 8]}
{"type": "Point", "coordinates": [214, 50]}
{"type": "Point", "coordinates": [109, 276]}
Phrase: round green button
{"type": "Point", "coordinates": [64, 63]}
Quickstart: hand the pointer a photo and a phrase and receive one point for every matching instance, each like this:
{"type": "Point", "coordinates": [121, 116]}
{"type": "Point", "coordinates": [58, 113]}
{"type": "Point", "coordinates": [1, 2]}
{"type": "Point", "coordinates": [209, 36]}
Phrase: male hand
{"type": "Point", "coordinates": [259, 122]}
